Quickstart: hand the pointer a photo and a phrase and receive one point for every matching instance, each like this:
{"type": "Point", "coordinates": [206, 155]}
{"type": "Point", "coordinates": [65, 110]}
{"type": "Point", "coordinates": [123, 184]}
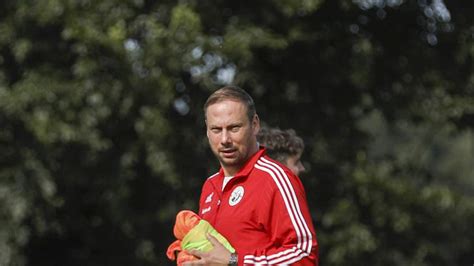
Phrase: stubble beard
{"type": "Point", "coordinates": [231, 162]}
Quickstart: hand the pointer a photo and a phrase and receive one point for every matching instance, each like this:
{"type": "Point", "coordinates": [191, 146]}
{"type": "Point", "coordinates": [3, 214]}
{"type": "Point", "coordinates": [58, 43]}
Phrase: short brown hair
{"type": "Point", "coordinates": [232, 93]}
{"type": "Point", "coordinates": [280, 144]}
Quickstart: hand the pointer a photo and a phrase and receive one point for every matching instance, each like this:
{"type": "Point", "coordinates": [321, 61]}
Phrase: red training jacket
{"type": "Point", "coordinates": [262, 212]}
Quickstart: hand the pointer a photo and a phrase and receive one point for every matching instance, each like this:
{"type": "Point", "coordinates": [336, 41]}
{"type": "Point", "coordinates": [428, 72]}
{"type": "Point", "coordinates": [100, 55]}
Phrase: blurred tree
{"type": "Point", "coordinates": [102, 133]}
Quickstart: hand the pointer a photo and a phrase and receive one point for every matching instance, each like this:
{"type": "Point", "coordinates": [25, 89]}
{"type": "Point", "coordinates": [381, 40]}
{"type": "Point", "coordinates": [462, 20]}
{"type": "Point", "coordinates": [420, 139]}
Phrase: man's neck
{"type": "Point", "coordinates": [230, 171]}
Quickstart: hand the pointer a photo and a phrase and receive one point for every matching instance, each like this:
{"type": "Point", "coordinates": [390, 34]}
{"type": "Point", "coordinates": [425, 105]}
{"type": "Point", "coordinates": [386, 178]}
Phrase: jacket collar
{"type": "Point", "coordinates": [249, 165]}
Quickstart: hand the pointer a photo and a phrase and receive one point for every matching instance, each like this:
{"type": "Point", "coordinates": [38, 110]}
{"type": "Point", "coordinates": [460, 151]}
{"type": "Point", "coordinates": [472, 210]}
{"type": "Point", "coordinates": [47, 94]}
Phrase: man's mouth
{"type": "Point", "coordinates": [228, 152]}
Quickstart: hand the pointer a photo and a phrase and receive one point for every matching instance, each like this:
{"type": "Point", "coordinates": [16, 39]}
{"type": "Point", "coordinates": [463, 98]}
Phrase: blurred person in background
{"type": "Point", "coordinates": [284, 146]}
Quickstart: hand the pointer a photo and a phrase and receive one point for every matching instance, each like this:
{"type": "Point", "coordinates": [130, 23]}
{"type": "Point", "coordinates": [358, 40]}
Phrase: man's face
{"type": "Point", "coordinates": [231, 135]}
{"type": "Point", "coordinates": [294, 163]}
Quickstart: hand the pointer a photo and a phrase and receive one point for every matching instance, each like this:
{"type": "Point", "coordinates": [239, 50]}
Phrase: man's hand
{"type": "Point", "coordinates": [219, 255]}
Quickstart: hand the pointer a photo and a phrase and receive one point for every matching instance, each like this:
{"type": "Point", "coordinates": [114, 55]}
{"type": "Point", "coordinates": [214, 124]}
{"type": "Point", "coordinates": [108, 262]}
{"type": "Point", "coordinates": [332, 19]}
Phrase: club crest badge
{"type": "Point", "coordinates": [236, 196]}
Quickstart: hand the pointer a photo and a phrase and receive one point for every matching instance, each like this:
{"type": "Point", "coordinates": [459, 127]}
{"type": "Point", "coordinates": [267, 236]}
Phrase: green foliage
{"type": "Point", "coordinates": [102, 131]}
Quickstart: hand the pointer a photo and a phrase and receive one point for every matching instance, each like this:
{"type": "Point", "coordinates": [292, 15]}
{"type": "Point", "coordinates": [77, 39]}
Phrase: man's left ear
{"type": "Point", "coordinates": [256, 124]}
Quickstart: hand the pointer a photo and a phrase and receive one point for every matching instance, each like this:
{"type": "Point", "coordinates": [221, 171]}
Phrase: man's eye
{"type": "Point", "coordinates": [215, 130]}
{"type": "Point", "coordinates": [235, 129]}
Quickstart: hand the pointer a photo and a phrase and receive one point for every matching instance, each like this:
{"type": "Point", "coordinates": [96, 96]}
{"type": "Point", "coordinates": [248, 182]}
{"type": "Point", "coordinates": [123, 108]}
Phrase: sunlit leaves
{"type": "Point", "coordinates": [239, 42]}
{"type": "Point", "coordinates": [184, 24]}
{"type": "Point", "coordinates": [21, 49]}
{"type": "Point", "coordinates": [299, 7]}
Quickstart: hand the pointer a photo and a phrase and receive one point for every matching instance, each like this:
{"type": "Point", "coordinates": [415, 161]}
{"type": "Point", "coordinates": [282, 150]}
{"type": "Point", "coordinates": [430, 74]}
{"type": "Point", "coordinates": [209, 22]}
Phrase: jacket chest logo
{"type": "Point", "coordinates": [209, 198]}
{"type": "Point", "coordinates": [236, 195]}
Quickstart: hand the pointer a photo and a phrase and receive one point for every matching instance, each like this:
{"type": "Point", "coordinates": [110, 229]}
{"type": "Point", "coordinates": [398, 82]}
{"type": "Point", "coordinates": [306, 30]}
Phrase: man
{"type": "Point", "coordinates": [256, 203]}
{"type": "Point", "coordinates": [284, 146]}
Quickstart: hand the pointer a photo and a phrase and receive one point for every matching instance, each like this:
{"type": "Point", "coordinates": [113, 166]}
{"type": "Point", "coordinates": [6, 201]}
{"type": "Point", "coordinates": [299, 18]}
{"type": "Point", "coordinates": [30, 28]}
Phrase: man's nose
{"type": "Point", "coordinates": [301, 167]}
{"type": "Point", "coordinates": [225, 137]}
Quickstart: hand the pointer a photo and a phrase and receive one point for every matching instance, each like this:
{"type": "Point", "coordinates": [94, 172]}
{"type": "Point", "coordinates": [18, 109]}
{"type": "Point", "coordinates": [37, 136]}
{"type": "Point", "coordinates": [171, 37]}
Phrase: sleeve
{"type": "Point", "coordinates": [285, 216]}
{"type": "Point", "coordinates": [201, 199]}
